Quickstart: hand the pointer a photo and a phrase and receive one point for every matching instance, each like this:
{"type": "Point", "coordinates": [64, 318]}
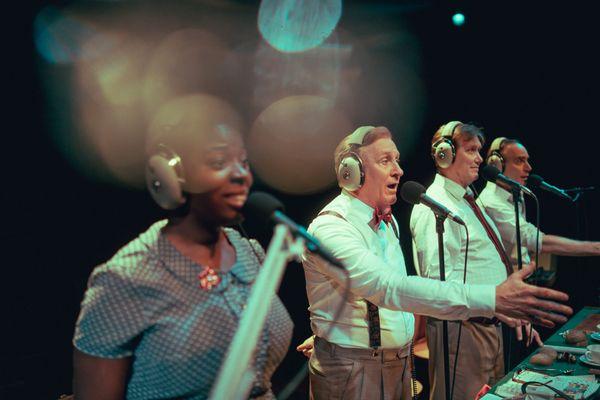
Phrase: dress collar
{"type": "Point", "coordinates": [244, 269]}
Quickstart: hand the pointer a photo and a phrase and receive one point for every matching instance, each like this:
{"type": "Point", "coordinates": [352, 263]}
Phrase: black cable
{"type": "Point", "coordinates": [245, 234]}
{"type": "Point", "coordinates": [413, 371]}
{"type": "Point", "coordinates": [302, 372]}
{"type": "Point", "coordinates": [460, 323]}
{"type": "Point", "coordinates": [537, 234]}
{"type": "Point", "coordinates": [533, 383]}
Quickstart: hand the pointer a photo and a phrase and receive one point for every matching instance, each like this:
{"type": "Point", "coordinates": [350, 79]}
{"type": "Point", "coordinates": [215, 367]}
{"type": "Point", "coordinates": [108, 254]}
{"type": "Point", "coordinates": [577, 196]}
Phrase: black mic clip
{"type": "Point", "coordinates": [580, 189]}
{"type": "Point", "coordinates": [578, 192]}
{"type": "Point", "coordinates": [541, 277]}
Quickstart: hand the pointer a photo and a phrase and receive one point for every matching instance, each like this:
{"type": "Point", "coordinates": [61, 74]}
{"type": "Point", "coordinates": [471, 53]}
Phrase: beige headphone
{"type": "Point", "coordinates": [495, 158]}
{"type": "Point", "coordinates": [443, 151]}
{"type": "Point", "coordinates": [165, 177]}
{"type": "Point", "coordinates": [350, 172]}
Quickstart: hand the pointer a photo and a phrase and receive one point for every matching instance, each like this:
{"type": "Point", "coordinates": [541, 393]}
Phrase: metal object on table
{"type": "Point", "coordinates": [548, 371]}
{"type": "Point", "coordinates": [567, 357]}
{"type": "Point", "coordinates": [566, 349]}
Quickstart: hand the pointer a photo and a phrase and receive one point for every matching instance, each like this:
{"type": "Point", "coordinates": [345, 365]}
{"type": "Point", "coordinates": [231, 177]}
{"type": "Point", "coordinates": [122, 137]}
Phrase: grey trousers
{"type": "Point", "coordinates": [337, 372]}
{"type": "Point", "coordinates": [480, 358]}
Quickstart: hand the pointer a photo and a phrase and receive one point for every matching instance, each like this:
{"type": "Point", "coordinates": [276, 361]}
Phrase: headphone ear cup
{"type": "Point", "coordinates": [444, 154]}
{"type": "Point", "coordinates": [350, 173]}
{"type": "Point", "coordinates": [163, 183]}
{"type": "Point", "coordinates": [496, 160]}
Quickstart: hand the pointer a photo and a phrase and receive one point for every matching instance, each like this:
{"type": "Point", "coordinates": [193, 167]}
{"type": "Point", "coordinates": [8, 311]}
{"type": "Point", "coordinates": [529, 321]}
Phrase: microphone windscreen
{"type": "Point", "coordinates": [411, 192]}
{"type": "Point", "coordinates": [261, 206]}
{"type": "Point", "coordinates": [490, 173]}
{"type": "Point", "coordinates": [534, 181]}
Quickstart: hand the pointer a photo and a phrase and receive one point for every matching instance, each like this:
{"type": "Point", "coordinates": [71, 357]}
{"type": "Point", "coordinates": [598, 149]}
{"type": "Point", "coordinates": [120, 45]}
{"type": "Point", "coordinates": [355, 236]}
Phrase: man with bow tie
{"type": "Point", "coordinates": [363, 353]}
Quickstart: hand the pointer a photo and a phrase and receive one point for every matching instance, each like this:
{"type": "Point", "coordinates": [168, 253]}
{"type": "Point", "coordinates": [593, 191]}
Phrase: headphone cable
{"type": "Point", "coordinates": [460, 322]}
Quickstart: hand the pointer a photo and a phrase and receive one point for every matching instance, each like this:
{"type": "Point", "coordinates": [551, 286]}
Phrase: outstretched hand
{"type": "Point", "coordinates": [538, 305]}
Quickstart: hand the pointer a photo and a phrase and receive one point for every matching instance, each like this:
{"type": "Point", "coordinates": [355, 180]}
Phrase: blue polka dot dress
{"type": "Point", "coordinates": [146, 303]}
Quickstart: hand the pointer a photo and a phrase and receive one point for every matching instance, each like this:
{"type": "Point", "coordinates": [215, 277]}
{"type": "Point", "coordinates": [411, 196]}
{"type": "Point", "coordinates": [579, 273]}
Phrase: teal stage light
{"type": "Point", "coordinates": [458, 19]}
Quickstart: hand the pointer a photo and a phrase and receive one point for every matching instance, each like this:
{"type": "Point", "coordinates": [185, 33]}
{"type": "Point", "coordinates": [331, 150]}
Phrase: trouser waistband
{"type": "Point", "coordinates": [476, 320]}
{"type": "Point", "coordinates": [371, 354]}
{"type": "Point", "coordinates": [485, 321]}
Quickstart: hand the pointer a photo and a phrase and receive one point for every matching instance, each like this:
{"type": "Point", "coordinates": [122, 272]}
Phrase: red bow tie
{"type": "Point", "coordinates": [379, 216]}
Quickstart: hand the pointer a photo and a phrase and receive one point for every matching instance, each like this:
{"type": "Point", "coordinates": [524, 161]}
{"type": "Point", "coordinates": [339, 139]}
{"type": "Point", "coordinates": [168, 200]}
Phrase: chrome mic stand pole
{"type": "Point", "coordinates": [439, 228]}
{"type": "Point", "coordinates": [235, 377]}
{"type": "Point", "coordinates": [516, 193]}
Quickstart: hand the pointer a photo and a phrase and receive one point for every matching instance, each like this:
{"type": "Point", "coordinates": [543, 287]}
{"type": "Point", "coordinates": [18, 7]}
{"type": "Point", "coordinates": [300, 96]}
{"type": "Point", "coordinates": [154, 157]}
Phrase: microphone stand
{"type": "Point", "coordinates": [578, 192]}
{"type": "Point", "coordinates": [439, 228]}
{"type": "Point", "coordinates": [516, 193]}
{"type": "Point", "coordinates": [235, 377]}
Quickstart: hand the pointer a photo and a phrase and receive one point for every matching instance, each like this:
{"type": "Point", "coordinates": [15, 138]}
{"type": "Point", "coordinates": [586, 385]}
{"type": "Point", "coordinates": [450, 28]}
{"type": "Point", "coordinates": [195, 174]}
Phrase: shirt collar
{"type": "Point", "coordinates": [499, 192]}
{"type": "Point", "coordinates": [451, 187]}
{"type": "Point", "coordinates": [360, 210]}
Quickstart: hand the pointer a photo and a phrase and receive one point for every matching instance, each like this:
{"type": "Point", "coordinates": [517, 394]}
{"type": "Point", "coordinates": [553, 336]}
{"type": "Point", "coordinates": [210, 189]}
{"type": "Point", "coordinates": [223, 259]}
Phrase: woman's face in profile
{"type": "Point", "coordinates": [223, 174]}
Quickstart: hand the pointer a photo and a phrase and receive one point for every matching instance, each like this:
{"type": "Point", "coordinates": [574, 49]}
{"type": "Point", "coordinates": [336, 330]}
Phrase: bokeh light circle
{"type": "Point", "coordinates": [291, 143]}
{"type": "Point", "coordinates": [297, 25]}
{"type": "Point", "coordinates": [59, 36]}
{"type": "Point", "coordinates": [186, 61]}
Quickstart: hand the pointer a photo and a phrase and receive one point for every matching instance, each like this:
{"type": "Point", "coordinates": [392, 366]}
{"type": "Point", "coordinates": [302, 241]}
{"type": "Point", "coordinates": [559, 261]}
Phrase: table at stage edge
{"type": "Point", "coordinates": [557, 340]}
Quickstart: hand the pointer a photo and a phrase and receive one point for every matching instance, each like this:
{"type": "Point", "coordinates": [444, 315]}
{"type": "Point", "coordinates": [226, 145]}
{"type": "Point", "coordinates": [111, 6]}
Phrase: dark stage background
{"type": "Point", "coordinates": [522, 69]}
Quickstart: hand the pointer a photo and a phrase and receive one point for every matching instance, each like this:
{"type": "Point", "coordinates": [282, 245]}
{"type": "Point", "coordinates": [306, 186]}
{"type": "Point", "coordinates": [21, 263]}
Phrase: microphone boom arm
{"type": "Point", "coordinates": [234, 380]}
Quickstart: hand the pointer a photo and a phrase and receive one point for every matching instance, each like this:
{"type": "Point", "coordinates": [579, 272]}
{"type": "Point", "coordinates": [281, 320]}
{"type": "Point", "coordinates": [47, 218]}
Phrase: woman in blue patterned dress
{"type": "Point", "coordinates": [158, 317]}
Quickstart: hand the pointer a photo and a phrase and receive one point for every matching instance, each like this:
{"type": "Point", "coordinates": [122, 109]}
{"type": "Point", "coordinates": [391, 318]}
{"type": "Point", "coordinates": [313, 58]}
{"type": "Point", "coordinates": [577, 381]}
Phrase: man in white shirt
{"type": "Point", "coordinates": [456, 153]}
{"type": "Point", "coordinates": [363, 353]}
{"type": "Point", "coordinates": [512, 159]}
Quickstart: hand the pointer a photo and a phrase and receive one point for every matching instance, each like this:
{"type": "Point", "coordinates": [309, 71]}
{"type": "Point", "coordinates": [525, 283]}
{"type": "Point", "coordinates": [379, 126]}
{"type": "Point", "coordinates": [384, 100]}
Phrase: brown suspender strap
{"type": "Point", "coordinates": [372, 309]}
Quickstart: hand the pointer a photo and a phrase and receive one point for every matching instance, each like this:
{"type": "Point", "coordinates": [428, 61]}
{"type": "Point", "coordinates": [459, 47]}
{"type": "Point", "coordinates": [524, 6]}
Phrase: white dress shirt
{"type": "Point", "coordinates": [499, 205]}
{"type": "Point", "coordinates": [484, 263]}
{"type": "Point", "coordinates": [377, 273]}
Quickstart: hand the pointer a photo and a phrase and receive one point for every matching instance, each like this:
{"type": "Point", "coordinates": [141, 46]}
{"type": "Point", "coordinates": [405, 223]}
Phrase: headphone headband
{"type": "Point", "coordinates": [358, 136]}
{"type": "Point", "coordinates": [449, 128]}
{"type": "Point", "coordinates": [495, 157]}
{"type": "Point", "coordinates": [497, 144]}
{"type": "Point", "coordinates": [174, 160]}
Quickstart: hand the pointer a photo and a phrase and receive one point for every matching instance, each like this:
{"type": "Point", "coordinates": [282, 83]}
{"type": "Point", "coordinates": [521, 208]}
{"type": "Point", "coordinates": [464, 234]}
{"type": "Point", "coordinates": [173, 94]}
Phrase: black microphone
{"type": "Point", "coordinates": [536, 181]}
{"type": "Point", "coordinates": [493, 174]}
{"type": "Point", "coordinates": [414, 193]}
{"type": "Point", "coordinates": [268, 208]}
